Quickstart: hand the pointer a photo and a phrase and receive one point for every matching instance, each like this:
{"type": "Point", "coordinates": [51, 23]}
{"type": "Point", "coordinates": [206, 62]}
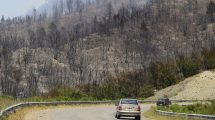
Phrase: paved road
{"type": "Point", "coordinates": [101, 112]}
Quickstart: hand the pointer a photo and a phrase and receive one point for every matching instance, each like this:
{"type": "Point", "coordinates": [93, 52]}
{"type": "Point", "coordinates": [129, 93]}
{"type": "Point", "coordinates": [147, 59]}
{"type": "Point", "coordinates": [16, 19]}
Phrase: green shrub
{"type": "Point", "coordinates": [209, 58]}
{"type": "Point", "coordinates": [124, 85]}
{"type": "Point", "coordinates": [2, 118]}
{"type": "Point", "coordinates": [189, 66]}
{"type": "Point", "coordinates": [34, 99]}
{"type": "Point", "coordinates": [146, 91]}
{"type": "Point", "coordinates": [175, 108]}
{"type": "Point", "coordinates": [65, 94]}
{"type": "Point", "coordinates": [6, 97]}
{"type": "Point", "coordinates": [164, 75]}
{"type": "Point", "coordinates": [208, 109]}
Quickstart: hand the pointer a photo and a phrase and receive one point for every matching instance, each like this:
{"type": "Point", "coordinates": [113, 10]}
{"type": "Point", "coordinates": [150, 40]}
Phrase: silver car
{"type": "Point", "coordinates": [128, 108]}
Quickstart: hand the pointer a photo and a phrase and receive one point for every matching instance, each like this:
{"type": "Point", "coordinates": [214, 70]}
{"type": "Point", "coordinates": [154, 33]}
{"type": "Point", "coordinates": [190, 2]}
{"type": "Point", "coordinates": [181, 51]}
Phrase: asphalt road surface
{"type": "Point", "coordinates": [98, 112]}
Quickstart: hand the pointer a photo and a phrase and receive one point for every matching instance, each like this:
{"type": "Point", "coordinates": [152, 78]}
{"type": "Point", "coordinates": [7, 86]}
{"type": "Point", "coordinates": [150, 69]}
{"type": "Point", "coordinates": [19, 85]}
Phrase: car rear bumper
{"type": "Point", "coordinates": [129, 114]}
{"type": "Point", "coordinates": [160, 104]}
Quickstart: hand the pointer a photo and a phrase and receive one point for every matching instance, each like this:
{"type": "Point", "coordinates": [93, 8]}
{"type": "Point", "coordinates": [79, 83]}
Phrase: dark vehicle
{"type": "Point", "coordinates": [128, 108]}
{"type": "Point", "coordinates": [164, 102]}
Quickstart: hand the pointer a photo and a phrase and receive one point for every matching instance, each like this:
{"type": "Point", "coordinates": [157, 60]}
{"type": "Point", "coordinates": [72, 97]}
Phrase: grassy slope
{"type": "Point", "coordinates": [151, 114]}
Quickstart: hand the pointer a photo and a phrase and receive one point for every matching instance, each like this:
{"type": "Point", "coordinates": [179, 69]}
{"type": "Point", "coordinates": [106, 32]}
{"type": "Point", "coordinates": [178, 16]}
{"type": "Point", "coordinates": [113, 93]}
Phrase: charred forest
{"type": "Point", "coordinates": [101, 46]}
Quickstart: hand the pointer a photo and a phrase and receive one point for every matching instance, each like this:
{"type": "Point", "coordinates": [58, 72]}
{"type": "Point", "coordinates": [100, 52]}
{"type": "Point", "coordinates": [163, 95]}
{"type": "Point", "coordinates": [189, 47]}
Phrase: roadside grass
{"type": "Point", "coordinates": [198, 108]}
{"type": "Point", "coordinates": [151, 114]}
{"type": "Point", "coordinates": [6, 101]}
{"type": "Point", "coordinates": [18, 115]}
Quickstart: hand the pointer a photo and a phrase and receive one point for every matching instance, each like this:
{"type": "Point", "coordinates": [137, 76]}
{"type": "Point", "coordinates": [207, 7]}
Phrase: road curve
{"type": "Point", "coordinates": [98, 112]}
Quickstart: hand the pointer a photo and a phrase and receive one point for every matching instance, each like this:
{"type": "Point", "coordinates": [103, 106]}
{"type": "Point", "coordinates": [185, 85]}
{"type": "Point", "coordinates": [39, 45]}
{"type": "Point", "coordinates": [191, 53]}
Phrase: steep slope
{"type": "Point", "coordinates": [92, 43]}
{"type": "Point", "coordinates": [198, 87]}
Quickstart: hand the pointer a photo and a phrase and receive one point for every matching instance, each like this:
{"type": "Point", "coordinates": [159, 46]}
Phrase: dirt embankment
{"type": "Point", "coordinates": [198, 87]}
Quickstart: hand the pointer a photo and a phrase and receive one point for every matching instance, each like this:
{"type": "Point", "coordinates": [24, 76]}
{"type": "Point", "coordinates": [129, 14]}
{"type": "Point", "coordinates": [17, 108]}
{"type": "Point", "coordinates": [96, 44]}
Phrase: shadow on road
{"type": "Point", "coordinates": [126, 118]}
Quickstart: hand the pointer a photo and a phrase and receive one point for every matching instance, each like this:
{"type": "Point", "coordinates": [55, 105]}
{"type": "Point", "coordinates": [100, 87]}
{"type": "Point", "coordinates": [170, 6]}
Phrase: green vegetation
{"type": "Point", "coordinates": [164, 75]}
{"type": "Point", "coordinates": [189, 66]}
{"type": "Point", "coordinates": [146, 91]}
{"type": "Point", "coordinates": [67, 94]}
{"type": "Point", "coordinates": [207, 109]}
{"type": "Point", "coordinates": [6, 101]}
{"type": "Point", "coordinates": [171, 73]}
{"type": "Point", "coordinates": [209, 58]}
{"type": "Point", "coordinates": [151, 114]}
{"type": "Point", "coordinates": [124, 85]}
{"type": "Point", "coordinates": [2, 118]}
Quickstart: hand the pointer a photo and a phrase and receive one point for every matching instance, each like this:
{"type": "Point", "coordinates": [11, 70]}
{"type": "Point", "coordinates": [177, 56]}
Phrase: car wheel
{"type": "Point", "coordinates": [118, 117]}
{"type": "Point", "coordinates": [137, 118]}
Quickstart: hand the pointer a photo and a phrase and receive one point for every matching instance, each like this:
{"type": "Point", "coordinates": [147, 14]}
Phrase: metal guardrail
{"type": "Point", "coordinates": [13, 108]}
{"type": "Point", "coordinates": [184, 115]}
{"type": "Point", "coordinates": [174, 101]}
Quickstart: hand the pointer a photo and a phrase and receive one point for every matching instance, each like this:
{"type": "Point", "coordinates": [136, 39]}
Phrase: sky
{"type": "Point", "coordinates": [13, 8]}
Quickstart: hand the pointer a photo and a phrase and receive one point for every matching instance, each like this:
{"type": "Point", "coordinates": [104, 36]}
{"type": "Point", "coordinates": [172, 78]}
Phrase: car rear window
{"type": "Point", "coordinates": [164, 99]}
{"type": "Point", "coordinates": [129, 102]}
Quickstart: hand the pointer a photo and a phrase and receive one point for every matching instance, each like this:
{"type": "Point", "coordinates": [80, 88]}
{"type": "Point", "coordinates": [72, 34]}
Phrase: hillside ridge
{"type": "Point", "coordinates": [197, 87]}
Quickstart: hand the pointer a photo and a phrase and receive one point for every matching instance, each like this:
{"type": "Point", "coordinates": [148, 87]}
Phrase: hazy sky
{"type": "Point", "coordinates": [12, 8]}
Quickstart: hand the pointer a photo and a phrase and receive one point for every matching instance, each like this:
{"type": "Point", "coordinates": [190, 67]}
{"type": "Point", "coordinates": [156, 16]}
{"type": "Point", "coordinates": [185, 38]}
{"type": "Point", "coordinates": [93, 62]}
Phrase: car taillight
{"type": "Point", "coordinates": [138, 109]}
{"type": "Point", "coordinates": [120, 108]}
